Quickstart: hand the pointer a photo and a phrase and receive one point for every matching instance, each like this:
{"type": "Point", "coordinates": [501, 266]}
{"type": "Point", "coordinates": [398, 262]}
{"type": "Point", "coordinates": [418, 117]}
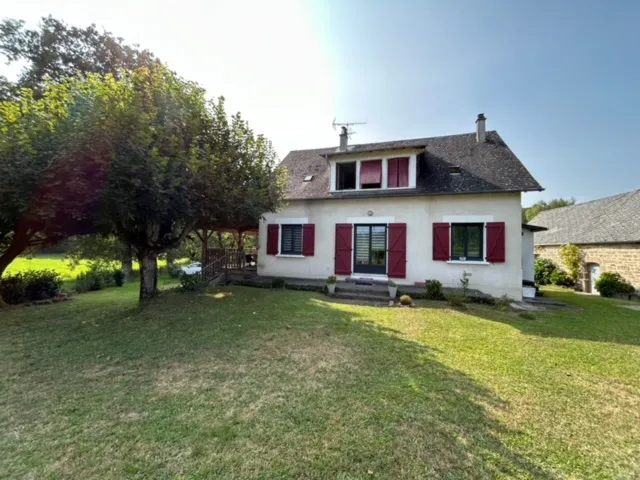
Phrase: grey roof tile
{"type": "Point", "coordinates": [613, 219]}
{"type": "Point", "coordinates": [486, 167]}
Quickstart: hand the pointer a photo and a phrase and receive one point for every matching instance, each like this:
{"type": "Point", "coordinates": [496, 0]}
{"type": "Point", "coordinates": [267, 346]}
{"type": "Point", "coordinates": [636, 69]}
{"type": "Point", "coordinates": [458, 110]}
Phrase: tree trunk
{"type": "Point", "coordinates": [148, 275]}
{"type": "Point", "coordinates": [126, 259]}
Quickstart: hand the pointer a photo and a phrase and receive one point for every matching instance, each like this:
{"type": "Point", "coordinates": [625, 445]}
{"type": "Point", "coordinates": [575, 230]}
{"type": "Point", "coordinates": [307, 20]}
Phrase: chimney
{"type": "Point", "coordinates": [481, 132]}
{"type": "Point", "coordinates": [344, 139]}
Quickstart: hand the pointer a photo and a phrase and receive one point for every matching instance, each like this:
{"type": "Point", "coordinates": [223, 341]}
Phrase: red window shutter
{"type": "Point", "coordinates": [392, 172]}
{"type": "Point", "coordinates": [441, 242]}
{"type": "Point", "coordinates": [344, 241]}
{"type": "Point", "coordinates": [397, 250]}
{"type": "Point", "coordinates": [272, 238]}
{"type": "Point", "coordinates": [496, 242]}
{"type": "Point", "coordinates": [371, 172]}
{"type": "Point", "coordinates": [308, 239]}
{"type": "Point", "coordinates": [403, 172]}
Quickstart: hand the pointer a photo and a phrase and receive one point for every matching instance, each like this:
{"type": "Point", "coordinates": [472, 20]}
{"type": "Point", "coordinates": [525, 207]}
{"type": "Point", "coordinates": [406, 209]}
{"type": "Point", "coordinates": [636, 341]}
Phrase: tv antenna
{"type": "Point", "coordinates": [346, 126]}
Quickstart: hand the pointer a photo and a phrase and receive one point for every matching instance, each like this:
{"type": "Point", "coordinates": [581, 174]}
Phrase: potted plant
{"type": "Point", "coordinates": [393, 289]}
{"type": "Point", "coordinates": [331, 284]}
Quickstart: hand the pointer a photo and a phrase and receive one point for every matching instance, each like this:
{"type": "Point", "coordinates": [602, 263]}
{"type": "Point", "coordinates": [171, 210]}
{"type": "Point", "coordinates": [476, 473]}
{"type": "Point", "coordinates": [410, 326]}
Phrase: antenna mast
{"type": "Point", "coordinates": [346, 126]}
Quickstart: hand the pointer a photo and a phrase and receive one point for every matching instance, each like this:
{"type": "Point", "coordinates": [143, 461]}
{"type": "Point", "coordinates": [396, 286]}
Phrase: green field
{"type": "Point", "coordinates": [245, 383]}
{"type": "Point", "coordinates": [58, 263]}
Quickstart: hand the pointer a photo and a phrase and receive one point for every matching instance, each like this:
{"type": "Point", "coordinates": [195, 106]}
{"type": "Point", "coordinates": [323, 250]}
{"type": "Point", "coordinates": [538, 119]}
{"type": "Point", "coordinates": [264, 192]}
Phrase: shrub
{"type": "Point", "coordinates": [278, 283]}
{"type": "Point", "coordinates": [41, 284]}
{"type": "Point", "coordinates": [543, 270]}
{"type": "Point", "coordinates": [174, 270]}
{"type": "Point", "coordinates": [119, 277]}
{"type": "Point", "coordinates": [434, 289]}
{"type": "Point", "coordinates": [392, 284]}
{"type": "Point", "coordinates": [572, 257]}
{"type": "Point", "coordinates": [562, 279]}
{"type": "Point", "coordinates": [95, 279]}
{"type": "Point", "coordinates": [405, 300]}
{"type": "Point", "coordinates": [12, 289]}
{"type": "Point", "coordinates": [30, 286]}
{"type": "Point", "coordinates": [457, 298]}
{"type": "Point", "coordinates": [332, 279]}
{"type": "Point", "coordinates": [503, 302]}
{"type": "Point", "coordinates": [190, 283]}
{"type": "Point", "coordinates": [610, 284]}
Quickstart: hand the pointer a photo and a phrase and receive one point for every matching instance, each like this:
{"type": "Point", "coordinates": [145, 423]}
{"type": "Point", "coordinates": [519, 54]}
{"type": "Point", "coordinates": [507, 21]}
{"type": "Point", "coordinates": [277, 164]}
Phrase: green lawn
{"type": "Point", "coordinates": [58, 263]}
{"type": "Point", "coordinates": [248, 383]}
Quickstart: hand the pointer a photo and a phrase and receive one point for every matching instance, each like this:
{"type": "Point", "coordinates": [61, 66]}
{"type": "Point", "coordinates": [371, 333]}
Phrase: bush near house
{"type": "Point", "coordinates": [542, 271]}
{"type": "Point", "coordinates": [98, 278]}
{"type": "Point", "coordinates": [434, 290]}
{"type": "Point", "coordinates": [610, 284]}
{"type": "Point", "coordinates": [30, 286]}
{"type": "Point", "coordinates": [562, 279]}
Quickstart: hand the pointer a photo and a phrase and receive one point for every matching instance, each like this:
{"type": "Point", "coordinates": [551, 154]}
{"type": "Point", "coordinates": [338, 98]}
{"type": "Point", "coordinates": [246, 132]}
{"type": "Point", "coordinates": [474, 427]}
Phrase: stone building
{"type": "Point", "coordinates": [607, 230]}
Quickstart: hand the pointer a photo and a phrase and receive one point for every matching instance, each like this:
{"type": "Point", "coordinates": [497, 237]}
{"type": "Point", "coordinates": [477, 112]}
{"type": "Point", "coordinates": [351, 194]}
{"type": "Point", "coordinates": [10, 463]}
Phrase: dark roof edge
{"type": "Point", "coordinates": [373, 150]}
{"type": "Point", "coordinates": [534, 228]}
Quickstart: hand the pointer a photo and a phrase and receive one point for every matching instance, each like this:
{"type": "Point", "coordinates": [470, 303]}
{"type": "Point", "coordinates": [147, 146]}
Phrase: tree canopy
{"type": "Point", "coordinates": [54, 51]}
{"type": "Point", "coordinates": [528, 213]}
{"type": "Point", "coordinates": [180, 162]}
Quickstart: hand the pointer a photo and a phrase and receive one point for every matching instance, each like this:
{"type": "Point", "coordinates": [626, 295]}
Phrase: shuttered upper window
{"type": "Point", "coordinates": [291, 240]}
{"type": "Point", "coordinates": [398, 172]}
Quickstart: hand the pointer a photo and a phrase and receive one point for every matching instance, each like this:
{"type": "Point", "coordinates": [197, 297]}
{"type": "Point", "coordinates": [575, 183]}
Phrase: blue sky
{"type": "Point", "coordinates": [559, 80]}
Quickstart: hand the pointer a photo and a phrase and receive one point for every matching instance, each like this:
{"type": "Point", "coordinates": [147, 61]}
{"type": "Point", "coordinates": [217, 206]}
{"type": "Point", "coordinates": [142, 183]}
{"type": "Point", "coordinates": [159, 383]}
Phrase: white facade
{"type": "Point", "coordinates": [419, 213]}
{"type": "Point", "coordinates": [528, 256]}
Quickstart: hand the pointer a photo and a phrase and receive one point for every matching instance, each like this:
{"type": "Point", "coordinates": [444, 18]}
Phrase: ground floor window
{"type": "Point", "coordinates": [467, 241]}
{"type": "Point", "coordinates": [291, 243]}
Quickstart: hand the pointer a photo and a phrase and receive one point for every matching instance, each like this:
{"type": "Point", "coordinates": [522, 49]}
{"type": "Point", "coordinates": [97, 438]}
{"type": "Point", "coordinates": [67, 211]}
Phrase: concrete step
{"type": "Point", "coordinates": [363, 296]}
{"type": "Point", "coordinates": [353, 288]}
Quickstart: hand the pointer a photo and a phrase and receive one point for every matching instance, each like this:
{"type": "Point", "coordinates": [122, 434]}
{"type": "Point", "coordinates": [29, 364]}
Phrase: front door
{"type": "Point", "coordinates": [370, 252]}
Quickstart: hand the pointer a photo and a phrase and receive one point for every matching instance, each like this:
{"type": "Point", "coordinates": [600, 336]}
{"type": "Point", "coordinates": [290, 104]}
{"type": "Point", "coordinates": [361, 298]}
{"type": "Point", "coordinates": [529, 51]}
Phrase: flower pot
{"type": "Point", "coordinates": [392, 292]}
{"type": "Point", "coordinates": [331, 287]}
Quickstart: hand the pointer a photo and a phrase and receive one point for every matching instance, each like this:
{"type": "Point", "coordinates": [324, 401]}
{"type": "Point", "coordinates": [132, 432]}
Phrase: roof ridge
{"type": "Point", "coordinates": [416, 139]}
{"type": "Point", "coordinates": [631, 193]}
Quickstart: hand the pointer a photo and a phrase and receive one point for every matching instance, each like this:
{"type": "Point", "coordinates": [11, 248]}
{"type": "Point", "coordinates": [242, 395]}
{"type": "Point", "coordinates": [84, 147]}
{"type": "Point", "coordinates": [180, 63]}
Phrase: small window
{"type": "Point", "coordinates": [308, 178]}
{"type": "Point", "coordinates": [455, 170]}
{"type": "Point", "coordinates": [291, 240]}
{"type": "Point", "coordinates": [346, 176]}
{"type": "Point", "coordinates": [371, 174]}
{"type": "Point", "coordinates": [467, 241]}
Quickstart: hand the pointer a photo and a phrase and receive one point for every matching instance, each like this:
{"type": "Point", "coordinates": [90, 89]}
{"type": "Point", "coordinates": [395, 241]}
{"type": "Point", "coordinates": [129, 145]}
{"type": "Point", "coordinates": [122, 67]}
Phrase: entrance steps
{"type": "Point", "coordinates": [366, 293]}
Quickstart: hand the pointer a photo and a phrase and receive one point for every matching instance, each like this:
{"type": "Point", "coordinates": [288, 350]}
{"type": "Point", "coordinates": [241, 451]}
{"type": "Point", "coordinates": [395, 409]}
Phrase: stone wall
{"type": "Point", "coordinates": [618, 258]}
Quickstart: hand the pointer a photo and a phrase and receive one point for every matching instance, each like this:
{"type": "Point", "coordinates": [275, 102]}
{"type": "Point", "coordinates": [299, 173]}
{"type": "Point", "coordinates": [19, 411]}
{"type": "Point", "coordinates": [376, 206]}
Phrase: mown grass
{"type": "Point", "coordinates": [248, 383]}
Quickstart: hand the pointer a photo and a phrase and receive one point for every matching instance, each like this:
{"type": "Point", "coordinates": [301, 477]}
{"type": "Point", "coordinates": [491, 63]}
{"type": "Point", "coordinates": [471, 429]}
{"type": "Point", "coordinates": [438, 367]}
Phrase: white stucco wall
{"type": "Point", "coordinates": [528, 258]}
{"type": "Point", "coordinates": [419, 213]}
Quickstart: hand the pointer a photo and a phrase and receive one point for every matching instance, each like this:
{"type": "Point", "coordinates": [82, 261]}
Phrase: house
{"type": "Point", "coordinates": [408, 210]}
{"type": "Point", "coordinates": [607, 231]}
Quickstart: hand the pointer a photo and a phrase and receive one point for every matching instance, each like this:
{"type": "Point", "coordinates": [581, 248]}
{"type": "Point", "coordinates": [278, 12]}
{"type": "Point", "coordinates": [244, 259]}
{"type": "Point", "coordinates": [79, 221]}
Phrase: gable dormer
{"type": "Point", "coordinates": [380, 170]}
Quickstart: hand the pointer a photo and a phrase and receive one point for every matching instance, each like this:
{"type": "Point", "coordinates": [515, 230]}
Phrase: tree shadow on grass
{"type": "Point", "coordinates": [256, 384]}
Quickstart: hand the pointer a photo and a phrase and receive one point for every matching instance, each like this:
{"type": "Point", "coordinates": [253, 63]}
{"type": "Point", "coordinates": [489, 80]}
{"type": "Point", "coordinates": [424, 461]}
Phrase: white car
{"type": "Point", "coordinates": [192, 268]}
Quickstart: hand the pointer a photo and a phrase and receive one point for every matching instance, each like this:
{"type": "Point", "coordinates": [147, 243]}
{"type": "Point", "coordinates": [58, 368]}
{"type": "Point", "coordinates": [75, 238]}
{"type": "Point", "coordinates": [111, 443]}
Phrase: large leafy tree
{"type": "Point", "coordinates": [54, 161]}
{"type": "Point", "coordinates": [54, 51]}
{"type": "Point", "coordinates": [528, 213]}
{"type": "Point", "coordinates": [179, 162]}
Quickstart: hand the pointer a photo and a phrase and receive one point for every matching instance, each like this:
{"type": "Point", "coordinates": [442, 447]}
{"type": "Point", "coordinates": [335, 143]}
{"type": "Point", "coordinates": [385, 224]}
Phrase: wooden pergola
{"type": "Point", "coordinates": [216, 260]}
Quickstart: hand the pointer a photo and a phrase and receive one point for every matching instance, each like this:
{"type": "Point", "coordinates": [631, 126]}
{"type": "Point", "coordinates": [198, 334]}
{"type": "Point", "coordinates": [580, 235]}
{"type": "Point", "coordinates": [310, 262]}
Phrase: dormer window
{"type": "Point", "coordinates": [398, 172]}
{"type": "Point", "coordinates": [371, 174]}
{"type": "Point", "coordinates": [308, 178]}
{"type": "Point", "coordinates": [346, 176]}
